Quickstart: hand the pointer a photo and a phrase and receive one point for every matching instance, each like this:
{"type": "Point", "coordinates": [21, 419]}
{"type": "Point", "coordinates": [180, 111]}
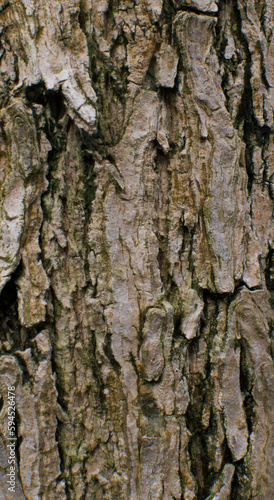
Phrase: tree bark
{"type": "Point", "coordinates": [136, 248]}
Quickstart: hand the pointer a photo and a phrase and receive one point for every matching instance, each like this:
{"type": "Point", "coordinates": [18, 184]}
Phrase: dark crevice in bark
{"type": "Point", "coordinates": [4, 5]}
{"type": "Point", "coordinates": [167, 16]}
{"type": "Point", "coordinates": [28, 334]}
{"type": "Point", "coordinates": [269, 272]}
{"type": "Point", "coordinates": [241, 488]}
{"type": "Point", "coordinates": [163, 261]}
{"type": "Point", "coordinates": [261, 13]}
{"type": "Point", "coordinates": [108, 352]}
{"type": "Point", "coordinates": [93, 362]}
{"type": "Point", "coordinates": [61, 392]}
{"type": "Point", "coordinates": [63, 185]}
{"type": "Point", "coordinates": [246, 384]}
{"type": "Point", "coordinates": [249, 405]}
{"type": "Point", "coordinates": [198, 12]}
{"type": "Point", "coordinates": [245, 117]}
{"type": "Point", "coordinates": [110, 82]}
{"type": "Point", "coordinates": [177, 333]}
{"type": "Point", "coordinates": [204, 435]}
{"type": "Point", "coordinates": [198, 449]}
{"type": "Point", "coordinates": [19, 438]}
{"type": "Point", "coordinates": [226, 296]}
{"type": "Point", "coordinates": [89, 178]}
{"type": "Point", "coordinates": [61, 399]}
{"type": "Point", "coordinates": [227, 456]}
{"type": "Point", "coordinates": [36, 94]}
{"type": "Point", "coordinates": [272, 339]}
{"type": "Point", "coordinates": [54, 100]}
{"type": "Point", "coordinates": [148, 404]}
{"type": "Point", "coordinates": [149, 81]}
{"type": "Point", "coordinates": [10, 328]}
{"type": "Point", "coordinates": [133, 362]}
{"type": "Point", "coordinates": [251, 132]}
{"type": "Point", "coordinates": [18, 442]}
{"type": "Point", "coordinates": [142, 319]}
{"type": "Point", "coordinates": [62, 457]}
{"type": "Point", "coordinates": [25, 376]}
{"type": "Point", "coordinates": [174, 297]}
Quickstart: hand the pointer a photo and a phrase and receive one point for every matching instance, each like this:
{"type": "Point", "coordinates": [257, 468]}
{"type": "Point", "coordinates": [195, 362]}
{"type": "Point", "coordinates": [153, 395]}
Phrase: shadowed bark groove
{"type": "Point", "coordinates": [136, 249]}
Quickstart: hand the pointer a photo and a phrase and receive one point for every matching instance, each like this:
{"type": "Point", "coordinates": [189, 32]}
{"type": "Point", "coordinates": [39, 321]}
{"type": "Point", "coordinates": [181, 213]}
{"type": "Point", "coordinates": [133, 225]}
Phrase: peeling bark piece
{"type": "Point", "coordinates": [58, 53]}
{"type": "Point", "coordinates": [39, 458]}
{"type": "Point", "coordinates": [33, 282]}
{"type": "Point", "coordinates": [221, 231]}
{"type": "Point", "coordinates": [201, 5]}
{"type": "Point", "coordinates": [193, 308]}
{"type": "Point", "coordinates": [189, 483]}
{"type": "Point", "coordinates": [166, 66]}
{"type": "Point", "coordinates": [235, 419]}
{"type": "Point", "coordinates": [21, 215]}
{"type": "Point", "coordinates": [247, 321]}
{"type": "Point", "coordinates": [155, 6]}
{"type": "Point", "coordinates": [259, 38]}
{"type": "Point", "coordinates": [6, 380]}
{"type": "Point", "coordinates": [151, 354]}
{"type": "Point", "coordinates": [21, 157]}
{"type": "Point", "coordinates": [222, 488]}
{"type": "Point", "coordinates": [157, 477]}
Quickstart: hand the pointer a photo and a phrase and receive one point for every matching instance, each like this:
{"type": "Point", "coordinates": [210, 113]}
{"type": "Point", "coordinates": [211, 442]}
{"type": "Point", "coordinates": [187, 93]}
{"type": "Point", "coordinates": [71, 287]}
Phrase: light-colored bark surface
{"type": "Point", "coordinates": [136, 248]}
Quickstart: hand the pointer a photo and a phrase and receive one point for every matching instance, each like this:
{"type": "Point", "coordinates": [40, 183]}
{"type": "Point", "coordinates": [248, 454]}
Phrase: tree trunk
{"type": "Point", "coordinates": [137, 244]}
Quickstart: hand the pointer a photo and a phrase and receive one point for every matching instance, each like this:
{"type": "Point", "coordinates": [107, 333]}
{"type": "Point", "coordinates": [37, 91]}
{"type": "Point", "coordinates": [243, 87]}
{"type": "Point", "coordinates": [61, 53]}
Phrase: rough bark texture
{"type": "Point", "coordinates": [137, 248]}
